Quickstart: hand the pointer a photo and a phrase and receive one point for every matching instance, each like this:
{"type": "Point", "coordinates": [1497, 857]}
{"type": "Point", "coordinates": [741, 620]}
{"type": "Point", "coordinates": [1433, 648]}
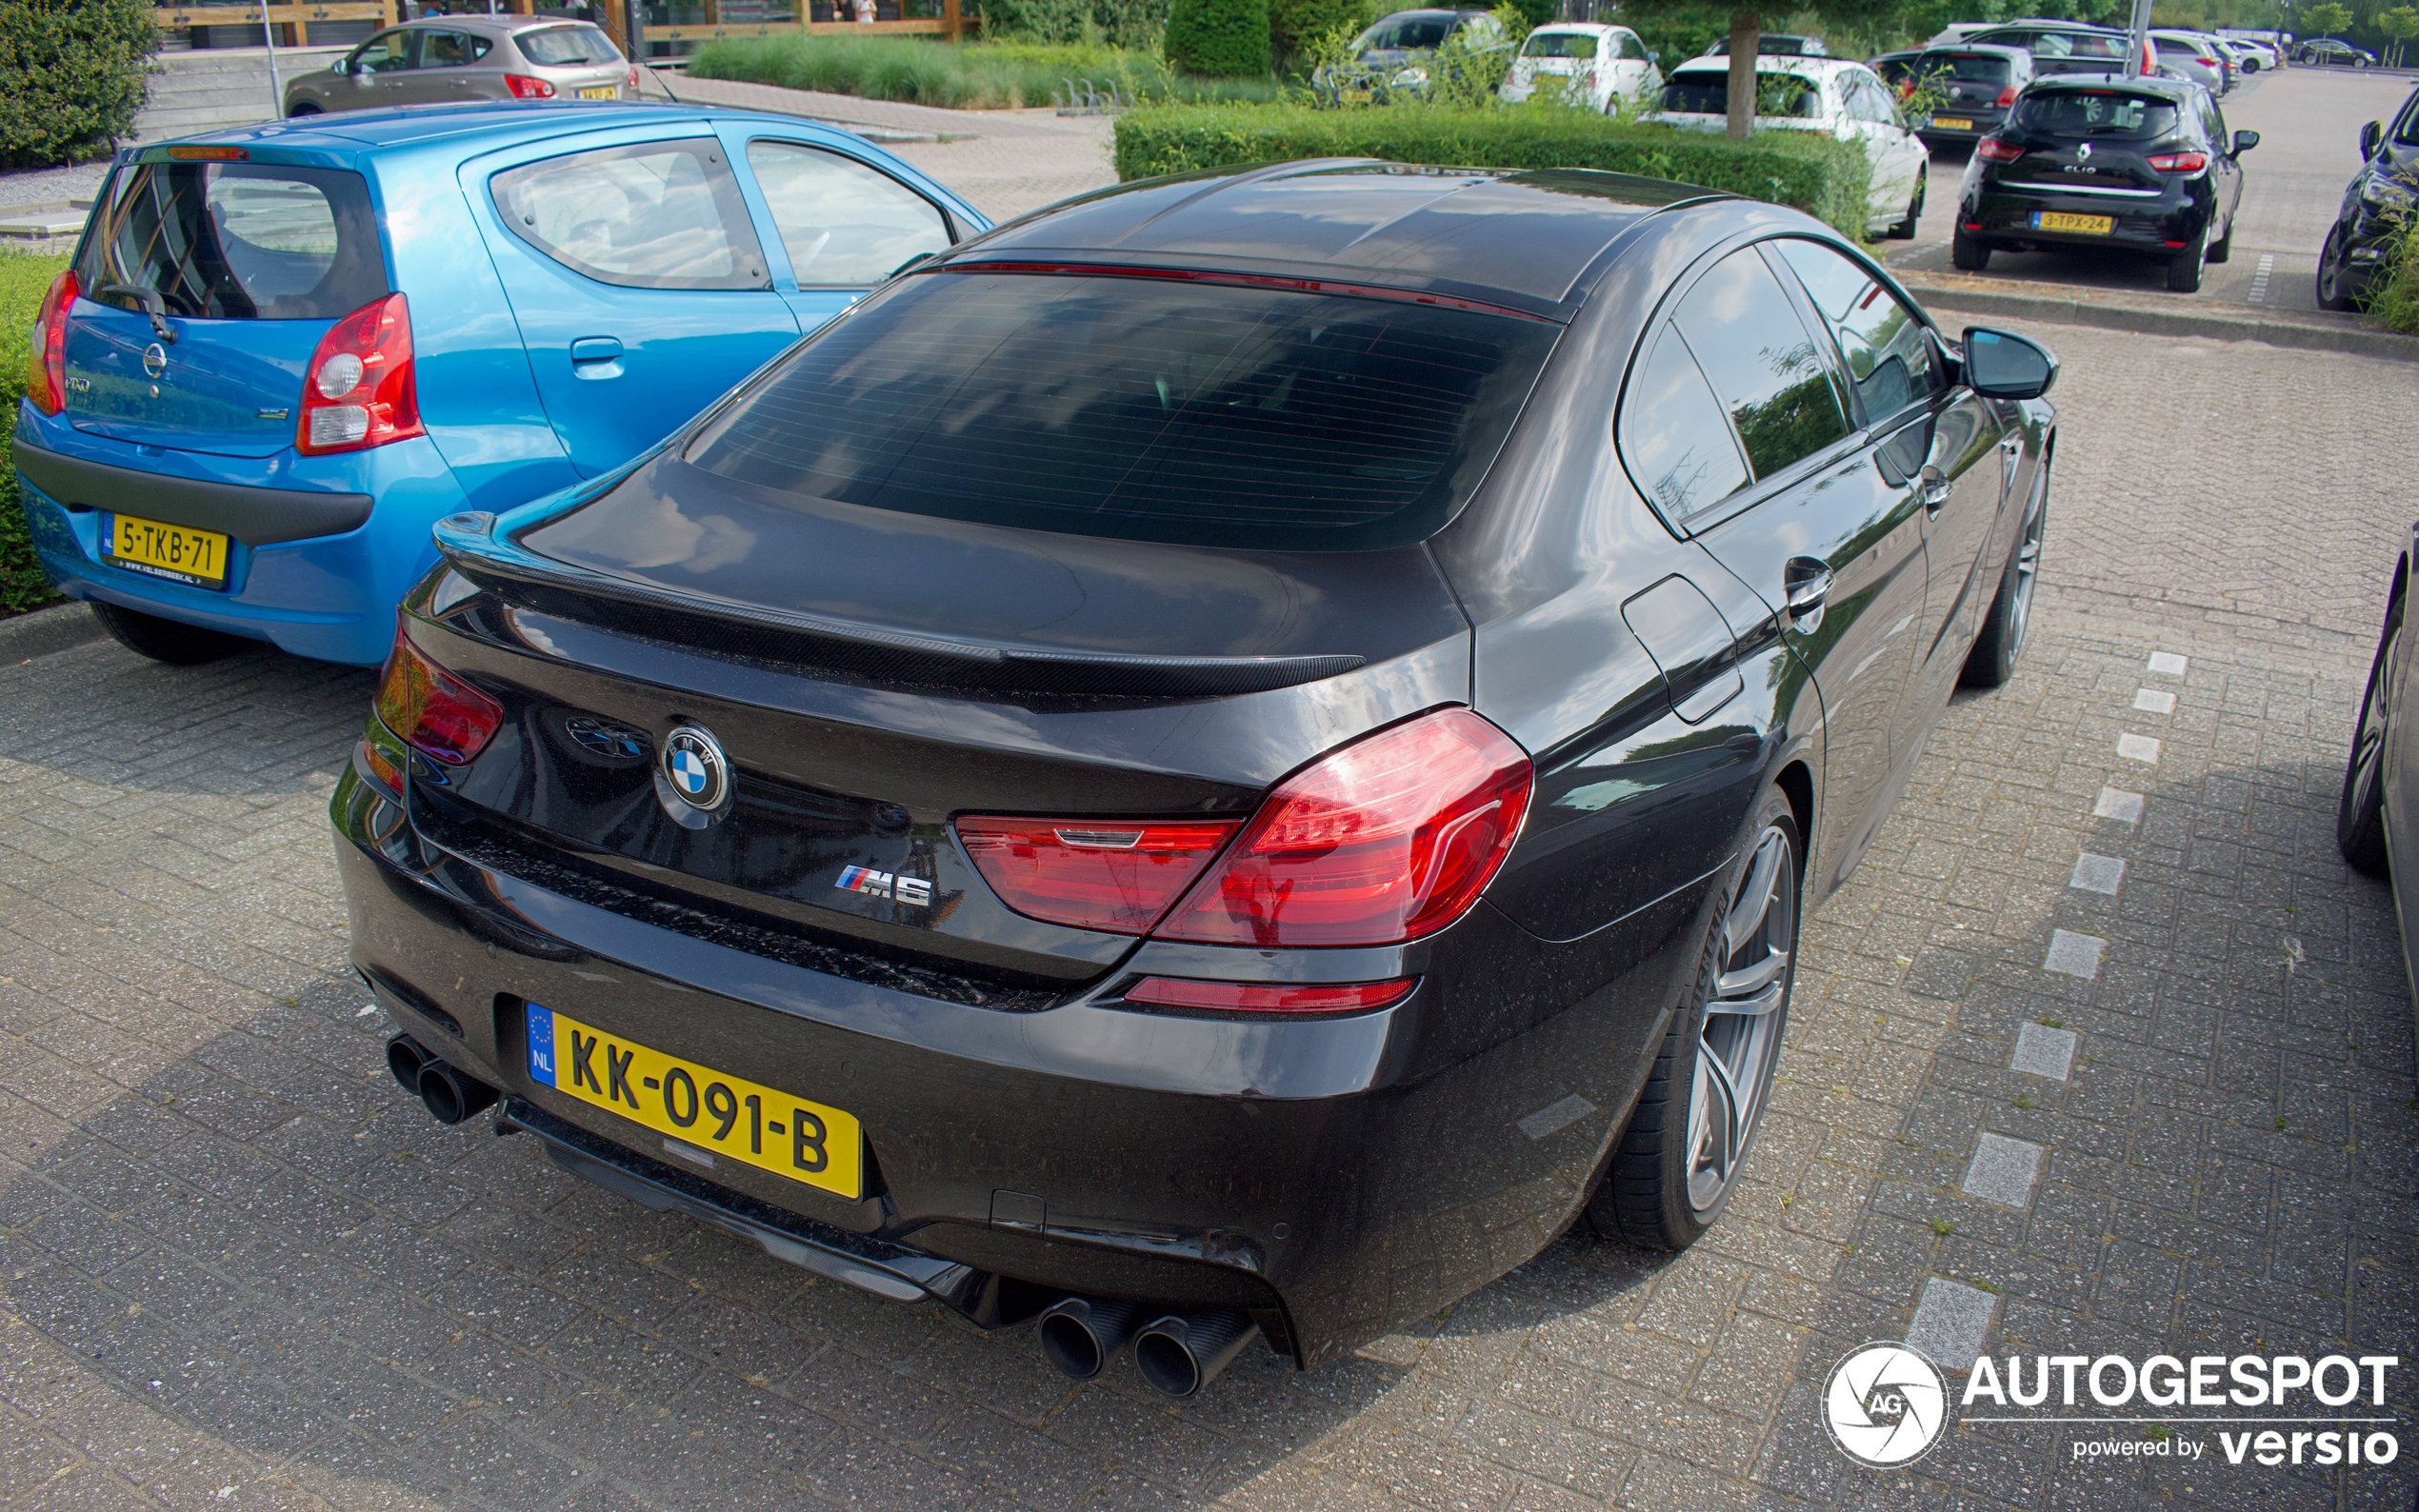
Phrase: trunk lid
{"type": "Point", "coordinates": [230, 387]}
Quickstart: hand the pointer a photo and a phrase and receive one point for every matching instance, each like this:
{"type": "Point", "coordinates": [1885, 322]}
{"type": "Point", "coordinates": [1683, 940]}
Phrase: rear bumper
{"type": "Point", "coordinates": [2145, 224]}
{"type": "Point", "coordinates": [1984, 121]}
{"type": "Point", "coordinates": [321, 548]}
{"type": "Point", "coordinates": [1337, 1178]}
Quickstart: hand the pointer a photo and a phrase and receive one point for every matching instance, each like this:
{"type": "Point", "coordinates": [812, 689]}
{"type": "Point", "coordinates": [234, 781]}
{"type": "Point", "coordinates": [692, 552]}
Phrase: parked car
{"type": "Point", "coordinates": [1836, 95]}
{"type": "Point", "coordinates": [2330, 54]}
{"type": "Point", "coordinates": [1955, 33]}
{"type": "Point", "coordinates": [280, 354]}
{"type": "Point", "coordinates": [1976, 85]}
{"type": "Point", "coordinates": [1607, 65]}
{"type": "Point", "coordinates": [1775, 45]}
{"type": "Point", "coordinates": [447, 60]}
{"type": "Point", "coordinates": [2376, 203]}
{"type": "Point", "coordinates": [2196, 58]}
{"type": "Point", "coordinates": [2247, 57]}
{"type": "Point", "coordinates": [1398, 50]}
{"type": "Point", "coordinates": [2140, 165]}
{"type": "Point", "coordinates": [1064, 793]}
{"type": "Point", "coordinates": [1895, 68]}
{"type": "Point", "coordinates": [2374, 815]}
{"type": "Point", "coordinates": [2065, 47]}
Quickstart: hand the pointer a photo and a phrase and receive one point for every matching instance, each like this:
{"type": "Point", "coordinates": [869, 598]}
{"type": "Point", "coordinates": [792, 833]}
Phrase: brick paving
{"type": "Point", "coordinates": [237, 1269]}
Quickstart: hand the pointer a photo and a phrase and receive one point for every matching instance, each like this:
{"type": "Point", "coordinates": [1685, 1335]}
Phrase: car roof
{"type": "Point", "coordinates": [1820, 69]}
{"type": "Point", "coordinates": [1582, 25]}
{"type": "Point", "coordinates": [2149, 84]}
{"type": "Point", "coordinates": [1522, 238]}
{"type": "Point", "coordinates": [506, 24]}
{"type": "Point", "coordinates": [1999, 49]}
{"type": "Point", "coordinates": [505, 122]}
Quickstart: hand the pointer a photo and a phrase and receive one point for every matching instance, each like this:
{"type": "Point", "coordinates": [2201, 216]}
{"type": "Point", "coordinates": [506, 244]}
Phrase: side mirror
{"type": "Point", "coordinates": [2001, 365]}
{"type": "Point", "coordinates": [2371, 135]}
{"type": "Point", "coordinates": [340, 66]}
{"type": "Point", "coordinates": [2245, 141]}
{"type": "Point", "coordinates": [1655, 55]}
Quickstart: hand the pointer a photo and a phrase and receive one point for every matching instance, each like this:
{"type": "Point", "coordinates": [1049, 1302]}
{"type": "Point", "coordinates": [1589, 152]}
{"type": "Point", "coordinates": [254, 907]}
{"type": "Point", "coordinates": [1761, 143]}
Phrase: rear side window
{"type": "Point", "coordinates": [1769, 373]}
{"type": "Point", "coordinates": [453, 49]}
{"type": "Point", "coordinates": [1630, 48]}
{"type": "Point", "coordinates": [236, 241]}
{"type": "Point", "coordinates": [1781, 94]}
{"type": "Point", "coordinates": [1674, 437]}
{"type": "Point", "coordinates": [1141, 409]}
{"type": "Point", "coordinates": [1559, 45]}
{"type": "Point", "coordinates": [564, 47]}
{"type": "Point", "coordinates": [843, 222]}
{"type": "Point", "coordinates": [2095, 113]}
{"type": "Point", "coordinates": [1413, 33]}
{"type": "Point", "coordinates": [658, 215]}
{"type": "Point", "coordinates": [1890, 363]}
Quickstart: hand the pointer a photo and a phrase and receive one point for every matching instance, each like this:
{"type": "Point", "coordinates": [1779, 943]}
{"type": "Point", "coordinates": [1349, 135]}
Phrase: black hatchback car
{"type": "Point", "coordinates": [2378, 199]}
{"type": "Point", "coordinates": [2141, 166]}
{"type": "Point", "coordinates": [1972, 89]}
{"type": "Point", "coordinates": [1233, 755]}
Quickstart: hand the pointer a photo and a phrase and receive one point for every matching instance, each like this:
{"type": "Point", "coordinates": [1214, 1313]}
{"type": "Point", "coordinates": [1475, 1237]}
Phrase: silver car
{"type": "Point", "coordinates": [448, 58]}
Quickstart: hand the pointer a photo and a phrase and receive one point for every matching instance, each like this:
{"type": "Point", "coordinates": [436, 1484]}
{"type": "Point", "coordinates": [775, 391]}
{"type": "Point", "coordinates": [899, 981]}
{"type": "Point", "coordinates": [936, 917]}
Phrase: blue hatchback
{"type": "Point", "coordinates": [282, 354]}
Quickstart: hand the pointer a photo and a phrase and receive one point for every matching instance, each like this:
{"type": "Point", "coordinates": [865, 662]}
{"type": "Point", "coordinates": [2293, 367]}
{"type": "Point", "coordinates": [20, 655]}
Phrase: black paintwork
{"type": "Point", "coordinates": [2376, 202]}
{"type": "Point", "coordinates": [1962, 100]}
{"type": "Point", "coordinates": [1338, 1176]}
{"type": "Point", "coordinates": [2157, 214]}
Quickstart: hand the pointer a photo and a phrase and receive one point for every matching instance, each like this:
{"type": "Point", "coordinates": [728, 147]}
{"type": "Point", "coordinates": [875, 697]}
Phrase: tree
{"type": "Point", "coordinates": [2323, 19]}
{"type": "Point", "coordinates": [75, 71]}
{"type": "Point", "coordinates": [2400, 25]}
{"type": "Point", "coordinates": [1746, 26]}
{"type": "Point", "coordinates": [1222, 39]}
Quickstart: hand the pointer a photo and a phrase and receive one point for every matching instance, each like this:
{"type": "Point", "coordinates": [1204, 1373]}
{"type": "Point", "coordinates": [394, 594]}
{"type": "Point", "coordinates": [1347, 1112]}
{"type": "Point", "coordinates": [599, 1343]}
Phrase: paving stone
{"type": "Point", "coordinates": [2153, 701]}
{"type": "Point", "coordinates": [2075, 955]}
{"type": "Point", "coordinates": [1950, 1322]}
{"type": "Point", "coordinates": [2002, 1170]}
{"type": "Point", "coordinates": [2044, 1051]}
{"type": "Point", "coordinates": [2167, 664]}
{"type": "Point", "coordinates": [2139, 748]}
{"type": "Point", "coordinates": [2124, 807]}
{"type": "Point", "coordinates": [2101, 874]}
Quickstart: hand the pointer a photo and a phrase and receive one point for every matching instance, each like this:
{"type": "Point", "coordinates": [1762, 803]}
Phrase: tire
{"type": "Point", "coordinates": [2360, 814]}
{"type": "Point", "coordinates": [2332, 295]}
{"type": "Point", "coordinates": [1676, 1166]}
{"type": "Point", "coordinates": [1905, 230]}
{"type": "Point", "coordinates": [301, 110]}
{"type": "Point", "coordinates": [2224, 247]}
{"type": "Point", "coordinates": [166, 640]}
{"type": "Point", "coordinates": [1969, 253]}
{"type": "Point", "coordinates": [2184, 269]}
{"type": "Point", "coordinates": [1992, 661]}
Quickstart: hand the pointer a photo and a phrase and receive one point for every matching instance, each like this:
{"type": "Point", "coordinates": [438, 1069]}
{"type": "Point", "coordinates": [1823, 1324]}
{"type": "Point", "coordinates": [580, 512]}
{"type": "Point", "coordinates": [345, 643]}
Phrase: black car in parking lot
{"type": "Point", "coordinates": [2375, 816]}
{"type": "Point", "coordinates": [2380, 196]}
{"type": "Point", "coordinates": [2330, 53]}
{"type": "Point", "coordinates": [2064, 47]}
{"type": "Point", "coordinates": [1976, 86]}
{"type": "Point", "coordinates": [1234, 755]}
{"type": "Point", "coordinates": [2142, 165]}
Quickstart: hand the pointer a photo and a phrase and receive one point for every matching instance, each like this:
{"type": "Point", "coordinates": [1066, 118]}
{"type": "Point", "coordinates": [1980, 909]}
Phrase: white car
{"type": "Point", "coordinates": [1844, 98]}
{"type": "Point", "coordinates": [1603, 63]}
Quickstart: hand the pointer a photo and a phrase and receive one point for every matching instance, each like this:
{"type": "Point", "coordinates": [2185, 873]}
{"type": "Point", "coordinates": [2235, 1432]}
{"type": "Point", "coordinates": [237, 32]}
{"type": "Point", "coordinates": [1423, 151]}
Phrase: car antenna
{"type": "Point", "coordinates": [667, 88]}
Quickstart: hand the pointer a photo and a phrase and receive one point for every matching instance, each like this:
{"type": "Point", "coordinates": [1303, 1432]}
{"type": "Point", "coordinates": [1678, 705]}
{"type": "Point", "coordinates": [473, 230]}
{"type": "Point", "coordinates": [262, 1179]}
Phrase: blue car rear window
{"type": "Point", "coordinates": [1141, 409]}
{"type": "Point", "coordinates": [236, 241]}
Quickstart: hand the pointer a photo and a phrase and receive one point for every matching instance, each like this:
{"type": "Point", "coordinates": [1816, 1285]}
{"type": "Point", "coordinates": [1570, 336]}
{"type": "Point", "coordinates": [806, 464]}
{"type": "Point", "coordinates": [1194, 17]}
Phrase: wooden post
{"type": "Point", "coordinates": [953, 18]}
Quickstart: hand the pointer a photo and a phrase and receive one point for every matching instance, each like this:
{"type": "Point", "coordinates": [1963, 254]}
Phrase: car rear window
{"type": "Point", "coordinates": [1783, 95]}
{"type": "Point", "coordinates": [1412, 33]}
{"type": "Point", "coordinates": [1141, 409]}
{"type": "Point", "coordinates": [564, 47]}
{"type": "Point", "coordinates": [236, 241]}
{"type": "Point", "coordinates": [1559, 45]}
{"type": "Point", "coordinates": [2095, 113]}
{"type": "Point", "coordinates": [1966, 68]}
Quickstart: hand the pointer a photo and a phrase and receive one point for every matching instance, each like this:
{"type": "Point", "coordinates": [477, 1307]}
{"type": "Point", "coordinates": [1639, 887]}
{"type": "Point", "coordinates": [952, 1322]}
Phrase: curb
{"type": "Point", "coordinates": [24, 637]}
{"type": "Point", "coordinates": [2056, 312]}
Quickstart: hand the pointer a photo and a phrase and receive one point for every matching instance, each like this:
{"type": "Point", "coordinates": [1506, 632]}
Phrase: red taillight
{"type": "Point", "coordinates": [525, 88]}
{"type": "Point", "coordinates": [2207, 63]}
{"type": "Point", "coordinates": [46, 379]}
{"type": "Point", "coordinates": [435, 712]}
{"type": "Point", "coordinates": [358, 390]}
{"type": "Point", "coordinates": [1387, 839]}
{"type": "Point", "coordinates": [633, 78]}
{"type": "Point", "coordinates": [1993, 150]}
{"type": "Point", "coordinates": [1092, 873]}
{"type": "Point", "coordinates": [2007, 96]}
{"type": "Point", "coordinates": [374, 763]}
{"type": "Point", "coordinates": [1270, 997]}
{"type": "Point", "coordinates": [2179, 162]}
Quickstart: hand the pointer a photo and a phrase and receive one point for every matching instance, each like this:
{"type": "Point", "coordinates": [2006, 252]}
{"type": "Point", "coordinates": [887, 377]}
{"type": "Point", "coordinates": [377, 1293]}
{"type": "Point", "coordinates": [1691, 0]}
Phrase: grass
{"type": "Point", "coordinates": [2395, 303]}
{"type": "Point", "coordinates": [22, 281]}
{"type": "Point", "coordinates": [963, 76]}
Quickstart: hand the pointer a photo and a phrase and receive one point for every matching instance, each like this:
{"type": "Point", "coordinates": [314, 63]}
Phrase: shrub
{"type": "Point", "coordinates": [1296, 26]}
{"type": "Point", "coordinates": [1137, 24]}
{"type": "Point", "coordinates": [987, 75]}
{"type": "Point", "coordinates": [22, 281]}
{"type": "Point", "coordinates": [2394, 300]}
{"type": "Point", "coordinates": [1821, 175]}
{"type": "Point", "coordinates": [1222, 39]}
{"type": "Point", "coordinates": [75, 71]}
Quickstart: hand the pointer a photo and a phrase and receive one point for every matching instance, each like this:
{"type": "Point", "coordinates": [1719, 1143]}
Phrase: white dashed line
{"type": "Point", "coordinates": [2259, 279]}
{"type": "Point", "coordinates": [2075, 955]}
{"type": "Point", "coordinates": [2167, 664]}
{"type": "Point", "coordinates": [2116, 804]}
{"type": "Point", "coordinates": [2138, 748]}
{"type": "Point", "coordinates": [2097, 874]}
{"type": "Point", "coordinates": [2002, 1170]}
{"type": "Point", "coordinates": [2150, 700]}
{"type": "Point", "coordinates": [2043, 1052]}
{"type": "Point", "coordinates": [1951, 1319]}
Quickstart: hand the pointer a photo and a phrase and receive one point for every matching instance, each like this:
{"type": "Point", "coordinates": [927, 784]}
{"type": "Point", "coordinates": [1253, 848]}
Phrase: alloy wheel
{"type": "Point", "coordinates": [2368, 742]}
{"type": "Point", "coordinates": [1740, 1038]}
{"type": "Point", "coordinates": [2027, 566]}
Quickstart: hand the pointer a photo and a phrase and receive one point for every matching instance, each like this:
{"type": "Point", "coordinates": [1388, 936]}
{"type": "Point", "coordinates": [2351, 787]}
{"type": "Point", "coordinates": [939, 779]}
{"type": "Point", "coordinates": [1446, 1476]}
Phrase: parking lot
{"type": "Point", "coordinates": [238, 1268]}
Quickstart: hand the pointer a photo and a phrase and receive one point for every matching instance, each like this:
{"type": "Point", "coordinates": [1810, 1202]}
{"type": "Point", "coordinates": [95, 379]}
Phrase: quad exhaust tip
{"type": "Point", "coordinates": [1179, 1353]}
{"type": "Point", "coordinates": [448, 1094]}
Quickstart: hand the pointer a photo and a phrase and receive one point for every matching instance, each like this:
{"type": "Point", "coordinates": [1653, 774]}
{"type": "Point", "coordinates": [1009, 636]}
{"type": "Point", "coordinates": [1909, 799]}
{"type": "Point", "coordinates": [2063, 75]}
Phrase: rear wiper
{"type": "Point", "coordinates": [145, 300]}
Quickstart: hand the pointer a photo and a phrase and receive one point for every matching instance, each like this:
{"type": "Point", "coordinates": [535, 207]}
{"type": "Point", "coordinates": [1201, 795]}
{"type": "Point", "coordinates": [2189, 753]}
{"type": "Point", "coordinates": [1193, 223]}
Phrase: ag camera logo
{"type": "Point", "coordinates": [1886, 1406]}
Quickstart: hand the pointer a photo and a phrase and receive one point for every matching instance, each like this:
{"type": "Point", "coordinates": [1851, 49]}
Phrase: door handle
{"type": "Point", "coordinates": [1806, 584]}
{"type": "Point", "coordinates": [1936, 486]}
{"type": "Point", "coordinates": [596, 348]}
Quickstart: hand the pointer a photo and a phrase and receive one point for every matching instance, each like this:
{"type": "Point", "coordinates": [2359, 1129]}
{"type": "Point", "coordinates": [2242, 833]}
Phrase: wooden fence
{"type": "Point", "coordinates": [300, 14]}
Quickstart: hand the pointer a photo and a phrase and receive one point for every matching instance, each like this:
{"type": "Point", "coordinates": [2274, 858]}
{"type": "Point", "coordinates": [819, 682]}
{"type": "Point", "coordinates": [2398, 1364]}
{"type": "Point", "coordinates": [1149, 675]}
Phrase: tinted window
{"type": "Point", "coordinates": [1673, 436]}
{"type": "Point", "coordinates": [385, 52]}
{"type": "Point", "coordinates": [1708, 93]}
{"type": "Point", "coordinates": [1406, 33]}
{"type": "Point", "coordinates": [238, 241]}
{"type": "Point", "coordinates": [2095, 113]}
{"type": "Point", "coordinates": [1966, 68]}
{"type": "Point", "coordinates": [660, 215]}
{"type": "Point", "coordinates": [560, 47]}
{"type": "Point", "coordinates": [1141, 409]}
{"type": "Point", "coordinates": [1767, 371]}
{"type": "Point", "coordinates": [1559, 45]}
{"type": "Point", "coordinates": [1630, 46]}
{"type": "Point", "coordinates": [2406, 129]}
{"type": "Point", "coordinates": [451, 50]}
{"type": "Point", "coordinates": [843, 222]}
{"type": "Point", "coordinates": [1891, 364]}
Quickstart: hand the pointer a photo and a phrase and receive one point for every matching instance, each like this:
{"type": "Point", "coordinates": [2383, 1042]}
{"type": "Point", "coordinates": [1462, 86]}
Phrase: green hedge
{"type": "Point", "coordinates": [973, 76]}
{"type": "Point", "coordinates": [1219, 39]}
{"type": "Point", "coordinates": [75, 71]}
{"type": "Point", "coordinates": [22, 281]}
{"type": "Point", "coordinates": [1821, 175]}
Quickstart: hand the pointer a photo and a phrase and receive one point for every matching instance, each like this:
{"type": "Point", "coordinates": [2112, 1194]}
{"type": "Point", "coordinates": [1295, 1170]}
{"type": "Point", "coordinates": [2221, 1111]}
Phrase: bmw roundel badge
{"type": "Point", "coordinates": [694, 766]}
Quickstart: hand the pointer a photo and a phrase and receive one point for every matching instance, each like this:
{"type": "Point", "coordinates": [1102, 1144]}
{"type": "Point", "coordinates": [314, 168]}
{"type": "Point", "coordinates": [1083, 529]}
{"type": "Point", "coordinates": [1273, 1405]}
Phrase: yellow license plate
{"type": "Point", "coordinates": [2061, 221]}
{"type": "Point", "coordinates": [601, 91]}
{"type": "Point", "coordinates": [704, 1116]}
{"type": "Point", "coordinates": [171, 551]}
{"type": "Point", "coordinates": [1353, 96]}
{"type": "Point", "coordinates": [1950, 123]}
